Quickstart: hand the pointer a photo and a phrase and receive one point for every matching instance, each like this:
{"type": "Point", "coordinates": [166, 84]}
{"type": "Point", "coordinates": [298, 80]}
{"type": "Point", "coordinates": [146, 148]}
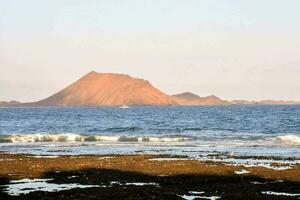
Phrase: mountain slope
{"type": "Point", "coordinates": [109, 90]}
{"type": "Point", "coordinates": [188, 98]}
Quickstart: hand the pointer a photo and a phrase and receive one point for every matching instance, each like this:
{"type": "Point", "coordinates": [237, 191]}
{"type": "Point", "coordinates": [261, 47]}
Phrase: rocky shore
{"type": "Point", "coordinates": [139, 177]}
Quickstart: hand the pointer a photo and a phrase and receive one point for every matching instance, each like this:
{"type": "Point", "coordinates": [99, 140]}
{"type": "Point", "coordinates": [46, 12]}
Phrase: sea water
{"type": "Point", "coordinates": [198, 132]}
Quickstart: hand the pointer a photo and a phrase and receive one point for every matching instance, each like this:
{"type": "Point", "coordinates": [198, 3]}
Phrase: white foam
{"type": "Point", "coordinates": [188, 197]}
{"type": "Point", "coordinates": [65, 137]}
{"type": "Point", "coordinates": [197, 195]}
{"type": "Point", "coordinates": [269, 164]}
{"type": "Point", "coordinates": [281, 193]}
{"type": "Point", "coordinates": [72, 137]}
{"type": "Point", "coordinates": [44, 156]}
{"type": "Point", "coordinates": [168, 159]}
{"type": "Point", "coordinates": [26, 180]}
{"type": "Point", "coordinates": [196, 192]}
{"type": "Point", "coordinates": [135, 183]}
{"type": "Point", "coordinates": [106, 138]}
{"type": "Point", "coordinates": [192, 197]}
{"type": "Point", "coordinates": [260, 183]}
{"type": "Point", "coordinates": [289, 139]}
{"type": "Point", "coordinates": [72, 176]}
{"type": "Point", "coordinates": [105, 157]}
{"type": "Point", "coordinates": [142, 184]}
{"type": "Point", "coordinates": [26, 186]}
{"type": "Point", "coordinates": [243, 171]}
{"type": "Point", "coordinates": [115, 183]}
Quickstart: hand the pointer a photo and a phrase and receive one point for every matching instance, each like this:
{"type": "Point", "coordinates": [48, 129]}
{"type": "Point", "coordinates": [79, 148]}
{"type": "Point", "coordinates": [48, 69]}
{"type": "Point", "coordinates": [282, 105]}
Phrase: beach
{"type": "Point", "coordinates": [140, 177]}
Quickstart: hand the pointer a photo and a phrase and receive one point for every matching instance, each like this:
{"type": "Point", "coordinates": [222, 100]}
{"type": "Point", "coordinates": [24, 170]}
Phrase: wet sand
{"type": "Point", "coordinates": [146, 177]}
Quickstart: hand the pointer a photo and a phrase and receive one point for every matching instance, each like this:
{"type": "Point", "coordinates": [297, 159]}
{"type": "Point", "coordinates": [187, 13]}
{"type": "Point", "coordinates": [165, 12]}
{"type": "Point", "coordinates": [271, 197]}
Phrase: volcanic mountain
{"type": "Point", "coordinates": [107, 89]}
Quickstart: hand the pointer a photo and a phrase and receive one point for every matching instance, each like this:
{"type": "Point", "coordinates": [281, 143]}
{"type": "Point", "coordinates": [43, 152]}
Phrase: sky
{"type": "Point", "coordinates": [229, 48]}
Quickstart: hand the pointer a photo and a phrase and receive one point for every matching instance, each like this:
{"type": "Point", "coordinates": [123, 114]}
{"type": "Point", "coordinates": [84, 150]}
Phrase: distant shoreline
{"type": "Point", "coordinates": [118, 106]}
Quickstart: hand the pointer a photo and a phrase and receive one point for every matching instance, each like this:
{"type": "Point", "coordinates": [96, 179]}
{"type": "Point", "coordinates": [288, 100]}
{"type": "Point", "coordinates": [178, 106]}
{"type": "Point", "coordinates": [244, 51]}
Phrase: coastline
{"type": "Point", "coordinates": [176, 177]}
{"type": "Point", "coordinates": [27, 105]}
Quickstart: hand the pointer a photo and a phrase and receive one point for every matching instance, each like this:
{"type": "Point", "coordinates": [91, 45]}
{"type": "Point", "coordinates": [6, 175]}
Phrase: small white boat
{"type": "Point", "coordinates": [124, 107]}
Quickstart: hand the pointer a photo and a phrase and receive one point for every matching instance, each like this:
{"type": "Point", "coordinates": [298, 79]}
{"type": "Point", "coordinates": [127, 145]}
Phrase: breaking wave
{"type": "Point", "coordinates": [241, 140]}
{"type": "Point", "coordinates": [71, 137]}
{"type": "Point", "coordinates": [289, 139]}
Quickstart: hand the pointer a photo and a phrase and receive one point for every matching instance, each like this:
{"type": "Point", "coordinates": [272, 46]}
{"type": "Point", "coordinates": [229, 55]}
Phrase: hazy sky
{"type": "Point", "coordinates": [231, 48]}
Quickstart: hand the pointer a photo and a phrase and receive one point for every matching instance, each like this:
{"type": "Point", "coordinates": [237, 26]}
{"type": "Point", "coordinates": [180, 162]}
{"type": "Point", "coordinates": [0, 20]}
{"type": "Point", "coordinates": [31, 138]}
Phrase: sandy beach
{"type": "Point", "coordinates": [140, 177]}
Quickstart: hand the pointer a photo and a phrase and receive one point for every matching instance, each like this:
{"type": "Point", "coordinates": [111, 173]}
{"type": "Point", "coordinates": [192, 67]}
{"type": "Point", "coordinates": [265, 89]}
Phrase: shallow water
{"type": "Point", "coordinates": [198, 195]}
{"type": "Point", "coordinates": [281, 193]}
{"type": "Point", "coordinates": [193, 131]}
{"type": "Point", "coordinates": [25, 186]}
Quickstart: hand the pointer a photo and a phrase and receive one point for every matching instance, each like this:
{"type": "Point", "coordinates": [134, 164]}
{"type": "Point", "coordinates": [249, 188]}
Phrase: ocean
{"type": "Point", "coordinates": [202, 132]}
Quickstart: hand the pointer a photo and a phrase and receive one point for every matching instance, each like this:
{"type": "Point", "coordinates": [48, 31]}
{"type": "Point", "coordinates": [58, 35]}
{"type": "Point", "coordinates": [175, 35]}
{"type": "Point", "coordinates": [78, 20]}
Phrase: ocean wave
{"type": "Point", "coordinates": [289, 139]}
{"type": "Point", "coordinates": [72, 137]}
{"type": "Point", "coordinates": [201, 139]}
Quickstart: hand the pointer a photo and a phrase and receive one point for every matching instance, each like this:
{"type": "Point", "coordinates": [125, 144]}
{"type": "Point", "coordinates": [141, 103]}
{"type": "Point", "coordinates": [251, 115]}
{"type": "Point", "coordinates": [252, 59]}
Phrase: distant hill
{"type": "Point", "coordinates": [264, 102]}
{"type": "Point", "coordinates": [187, 95]}
{"type": "Point", "coordinates": [188, 98]}
{"type": "Point", "coordinates": [108, 89]}
{"type": "Point", "coordinates": [9, 103]}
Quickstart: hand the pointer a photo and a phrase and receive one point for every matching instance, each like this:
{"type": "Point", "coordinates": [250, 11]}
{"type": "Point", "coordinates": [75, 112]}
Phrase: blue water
{"type": "Point", "coordinates": [257, 130]}
{"type": "Point", "coordinates": [151, 120]}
